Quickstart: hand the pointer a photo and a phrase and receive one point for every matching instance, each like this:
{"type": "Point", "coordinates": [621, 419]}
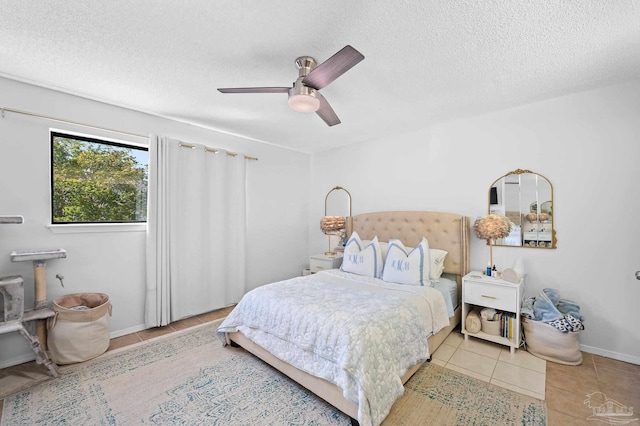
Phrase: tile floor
{"type": "Point", "coordinates": [565, 388]}
{"type": "Point", "coordinates": [493, 363]}
{"type": "Point", "coordinates": [568, 387]}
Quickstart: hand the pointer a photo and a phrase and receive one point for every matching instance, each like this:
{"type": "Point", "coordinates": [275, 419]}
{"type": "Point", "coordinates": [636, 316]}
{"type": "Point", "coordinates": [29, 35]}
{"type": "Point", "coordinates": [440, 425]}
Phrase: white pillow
{"type": "Point", "coordinates": [407, 267]}
{"type": "Point", "coordinates": [437, 256]}
{"type": "Point", "coordinates": [384, 247]}
{"type": "Point", "coordinates": [437, 264]}
{"type": "Point", "coordinates": [360, 259]}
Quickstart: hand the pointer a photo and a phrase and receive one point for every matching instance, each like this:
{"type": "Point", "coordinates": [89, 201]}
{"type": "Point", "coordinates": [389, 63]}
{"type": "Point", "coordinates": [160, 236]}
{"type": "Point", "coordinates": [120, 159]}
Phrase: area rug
{"type": "Point", "coordinates": [188, 378]}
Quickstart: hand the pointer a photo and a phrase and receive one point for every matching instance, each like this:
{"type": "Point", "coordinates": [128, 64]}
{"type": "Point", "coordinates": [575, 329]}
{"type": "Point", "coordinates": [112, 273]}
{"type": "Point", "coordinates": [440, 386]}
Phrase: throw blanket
{"type": "Point", "coordinates": [547, 307]}
{"type": "Point", "coordinates": [359, 333]}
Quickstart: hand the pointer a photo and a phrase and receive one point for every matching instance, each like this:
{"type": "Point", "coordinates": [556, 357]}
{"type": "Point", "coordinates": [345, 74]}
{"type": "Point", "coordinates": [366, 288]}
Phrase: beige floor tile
{"type": "Point", "coordinates": [570, 403]}
{"type": "Point", "coordinates": [150, 333]}
{"type": "Point", "coordinates": [122, 341]}
{"type": "Point", "coordinates": [629, 397]}
{"type": "Point", "coordinates": [587, 367]}
{"type": "Point", "coordinates": [523, 359]}
{"type": "Point", "coordinates": [614, 363]}
{"type": "Point", "coordinates": [613, 376]}
{"type": "Point", "coordinates": [186, 323]}
{"type": "Point", "coordinates": [439, 362]}
{"type": "Point", "coordinates": [579, 379]}
{"type": "Point", "coordinates": [454, 339]}
{"type": "Point", "coordinates": [472, 361]}
{"type": "Point", "coordinates": [212, 316]}
{"type": "Point", "coordinates": [444, 352]}
{"type": "Point", "coordinates": [516, 388]}
{"type": "Point", "coordinates": [519, 376]}
{"type": "Point", "coordinates": [482, 347]}
{"type": "Point", "coordinates": [467, 372]}
{"type": "Point", "coordinates": [556, 418]}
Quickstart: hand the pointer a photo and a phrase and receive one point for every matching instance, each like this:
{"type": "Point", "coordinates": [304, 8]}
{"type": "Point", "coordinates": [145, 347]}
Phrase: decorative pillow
{"type": "Point", "coordinates": [437, 264]}
{"type": "Point", "coordinates": [360, 259]}
{"type": "Point", "coordinates": [407, 267]}
{"type": "Point", "coordinates": [384, 247]}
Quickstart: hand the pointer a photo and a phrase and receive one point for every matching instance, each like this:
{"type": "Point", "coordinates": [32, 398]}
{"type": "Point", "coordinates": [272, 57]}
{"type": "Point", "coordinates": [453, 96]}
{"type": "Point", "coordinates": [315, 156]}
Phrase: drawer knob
{"type": "Point", "coordinates": [488, 297]}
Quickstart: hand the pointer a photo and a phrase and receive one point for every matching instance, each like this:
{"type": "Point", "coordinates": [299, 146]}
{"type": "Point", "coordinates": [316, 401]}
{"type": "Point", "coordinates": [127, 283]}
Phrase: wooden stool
{"type": "Point", "coordinates": [12, 290]}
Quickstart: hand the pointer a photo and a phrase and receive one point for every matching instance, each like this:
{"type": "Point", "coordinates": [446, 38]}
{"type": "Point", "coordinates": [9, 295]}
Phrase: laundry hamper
{"type": "Point", "coordinates": [547, 342]}
{"type": "Point", "coordinates": [80, 329]}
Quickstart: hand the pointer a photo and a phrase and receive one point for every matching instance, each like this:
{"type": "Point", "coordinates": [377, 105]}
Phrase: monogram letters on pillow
{"type": "Point", "coordinates": [407, 267]}
{"type": "Point", "coordinates": [360, 259]}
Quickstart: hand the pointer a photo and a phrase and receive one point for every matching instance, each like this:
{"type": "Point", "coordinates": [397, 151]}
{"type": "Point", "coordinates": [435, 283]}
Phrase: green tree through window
{"type": "Point", "coordinates": [96, 181]}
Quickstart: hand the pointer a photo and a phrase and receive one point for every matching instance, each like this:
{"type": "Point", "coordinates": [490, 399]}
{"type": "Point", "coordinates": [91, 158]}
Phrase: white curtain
{"type": "Point", "coordinates": [196, 229]}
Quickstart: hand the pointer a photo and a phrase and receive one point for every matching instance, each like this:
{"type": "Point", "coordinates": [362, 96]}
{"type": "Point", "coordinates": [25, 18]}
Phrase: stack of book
{"type": "Point", "coordinates": [507, 322]}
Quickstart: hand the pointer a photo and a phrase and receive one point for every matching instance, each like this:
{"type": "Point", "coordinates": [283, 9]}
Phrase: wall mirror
{"type": "Point", "coordinates": [517, 196]}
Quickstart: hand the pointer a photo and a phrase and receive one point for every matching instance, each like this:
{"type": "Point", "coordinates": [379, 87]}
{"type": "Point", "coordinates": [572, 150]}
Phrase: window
{"type": "Point", "coordinates": [97, 181]}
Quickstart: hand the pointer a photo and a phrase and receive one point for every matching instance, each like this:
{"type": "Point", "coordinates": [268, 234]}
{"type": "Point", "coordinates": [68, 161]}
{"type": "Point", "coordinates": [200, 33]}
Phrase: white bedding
{"type": "Point", "coordinates": [449, 289]}
{"type": "Point", "coordinates": [358, 332]}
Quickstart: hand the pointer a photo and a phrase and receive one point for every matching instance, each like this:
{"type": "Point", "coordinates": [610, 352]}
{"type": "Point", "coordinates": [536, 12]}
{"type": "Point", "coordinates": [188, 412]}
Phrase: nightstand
{"type": "Point", "coordinates": [480, 291]}
{"type": "Point", "coordinates": [321, 262]}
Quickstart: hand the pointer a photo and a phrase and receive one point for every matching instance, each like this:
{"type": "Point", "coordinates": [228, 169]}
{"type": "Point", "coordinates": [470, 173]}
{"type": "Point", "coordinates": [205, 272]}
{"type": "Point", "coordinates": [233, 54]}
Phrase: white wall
{"type": "Point", "coordinates": [587, 145]}
{"type": "Point", "coordinates": [113, 263]}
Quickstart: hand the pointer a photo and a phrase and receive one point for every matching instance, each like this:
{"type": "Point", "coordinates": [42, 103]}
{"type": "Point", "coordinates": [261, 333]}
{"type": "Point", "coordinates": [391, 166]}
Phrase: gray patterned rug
{"type": "Point", "coordinates": [187, 378]}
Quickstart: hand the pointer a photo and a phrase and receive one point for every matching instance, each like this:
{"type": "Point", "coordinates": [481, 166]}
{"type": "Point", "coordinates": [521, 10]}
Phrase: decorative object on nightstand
{"type": "Point", "coordinates": [514, 274]}
{"type": "Point", "coordinates": [490, 228]}
{"type": "Point", "coordinates": [504, 299]}
{"type": "Point", "coordinates": [334, 225]}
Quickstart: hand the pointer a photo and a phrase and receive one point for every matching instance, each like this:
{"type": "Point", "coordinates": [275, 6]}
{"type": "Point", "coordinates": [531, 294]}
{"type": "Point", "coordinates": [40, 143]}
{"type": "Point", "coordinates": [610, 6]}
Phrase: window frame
{"type": "Point", "coordinates": [94, 226]}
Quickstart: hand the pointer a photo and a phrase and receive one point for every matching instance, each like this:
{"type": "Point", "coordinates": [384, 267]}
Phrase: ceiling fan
{"type": "Point", "coordinates": [304, 96]}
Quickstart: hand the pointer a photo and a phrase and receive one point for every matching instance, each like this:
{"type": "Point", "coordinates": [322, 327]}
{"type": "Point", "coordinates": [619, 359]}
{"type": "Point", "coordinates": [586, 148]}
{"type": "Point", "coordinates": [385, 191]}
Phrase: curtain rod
{"type": "Point", "coordinates": [215, 151]}
{"type": "Point", "coordinates": [77, 123]}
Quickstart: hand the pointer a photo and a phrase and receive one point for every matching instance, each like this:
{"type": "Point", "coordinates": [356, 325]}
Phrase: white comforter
{"type": "Point", "coordinates": [358, 332]}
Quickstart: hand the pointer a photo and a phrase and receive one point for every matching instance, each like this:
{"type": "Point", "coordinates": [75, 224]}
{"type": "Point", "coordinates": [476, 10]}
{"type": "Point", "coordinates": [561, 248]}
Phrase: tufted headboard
{"type": "Point", "coordinates": [445, 231]}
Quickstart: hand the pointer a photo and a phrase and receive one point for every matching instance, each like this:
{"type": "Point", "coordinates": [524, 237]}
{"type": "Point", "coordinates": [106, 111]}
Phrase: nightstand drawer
{"type": "Point", "coordinates": [491, 296]}
{"type": "Point", "coordinates": [322, 263]}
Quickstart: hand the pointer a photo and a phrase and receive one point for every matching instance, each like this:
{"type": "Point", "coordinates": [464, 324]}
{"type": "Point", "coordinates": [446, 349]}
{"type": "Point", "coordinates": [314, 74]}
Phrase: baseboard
{"type": "Point", "coordinates": [27, 357]}
{"type": "Point", "coordinates": [126, 331]}
{"type": "Point", "coordinates": [610, 354]}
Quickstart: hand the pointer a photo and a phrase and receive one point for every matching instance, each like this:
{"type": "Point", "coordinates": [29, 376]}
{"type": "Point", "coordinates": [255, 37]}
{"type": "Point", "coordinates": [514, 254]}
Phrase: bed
{"type": "Point", "coordinates": [444, 231]}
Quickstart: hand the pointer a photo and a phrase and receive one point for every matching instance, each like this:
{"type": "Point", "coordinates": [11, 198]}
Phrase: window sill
{"type": "Point", "coordinates": [81, 228]}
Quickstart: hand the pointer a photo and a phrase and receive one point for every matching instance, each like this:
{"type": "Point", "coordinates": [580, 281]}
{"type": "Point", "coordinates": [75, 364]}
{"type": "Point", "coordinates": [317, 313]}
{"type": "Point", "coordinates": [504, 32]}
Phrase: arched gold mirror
{"type": "Point", "coordinates": [517, 196]}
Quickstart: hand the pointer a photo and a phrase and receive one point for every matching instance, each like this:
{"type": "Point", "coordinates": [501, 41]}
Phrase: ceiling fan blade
{"type": "Point", "coordinates": [326, 112]}
{"type": "Point", "coordinates": [255, 90]}
{"type": "Point", "coordinates": [332, 68]}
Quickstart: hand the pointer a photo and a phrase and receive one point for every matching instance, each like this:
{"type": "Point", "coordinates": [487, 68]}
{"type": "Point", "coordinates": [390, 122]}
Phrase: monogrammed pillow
{"type": "Point", "coordinates": [362, 260]}
{"type": "Point", "coordinates": [407, 267]}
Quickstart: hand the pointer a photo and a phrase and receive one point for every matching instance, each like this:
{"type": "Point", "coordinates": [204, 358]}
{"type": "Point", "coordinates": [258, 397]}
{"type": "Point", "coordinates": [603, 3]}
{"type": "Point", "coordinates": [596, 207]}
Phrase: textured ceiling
{"type": "Point", "coordinates": [425, 61]}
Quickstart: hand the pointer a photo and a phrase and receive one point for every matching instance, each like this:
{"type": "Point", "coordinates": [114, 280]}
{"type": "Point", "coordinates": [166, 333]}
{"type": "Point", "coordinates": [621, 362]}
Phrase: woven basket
{"type": "Point", "coordinates": [491, 327]}
{"type": "Point", "coordinates": [547, 342]}
{"type": "Point", "coordinates": [472, 322]}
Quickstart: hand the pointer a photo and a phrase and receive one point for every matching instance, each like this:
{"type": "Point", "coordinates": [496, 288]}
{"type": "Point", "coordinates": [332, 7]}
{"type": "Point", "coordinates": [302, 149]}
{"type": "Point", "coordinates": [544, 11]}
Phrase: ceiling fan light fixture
{"type": "Point", "coordinates": [304, 103]}
{"type": "Point", "coordinates": [305, 95]}
{"type": "Point", "coordinates": [303, 98]}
